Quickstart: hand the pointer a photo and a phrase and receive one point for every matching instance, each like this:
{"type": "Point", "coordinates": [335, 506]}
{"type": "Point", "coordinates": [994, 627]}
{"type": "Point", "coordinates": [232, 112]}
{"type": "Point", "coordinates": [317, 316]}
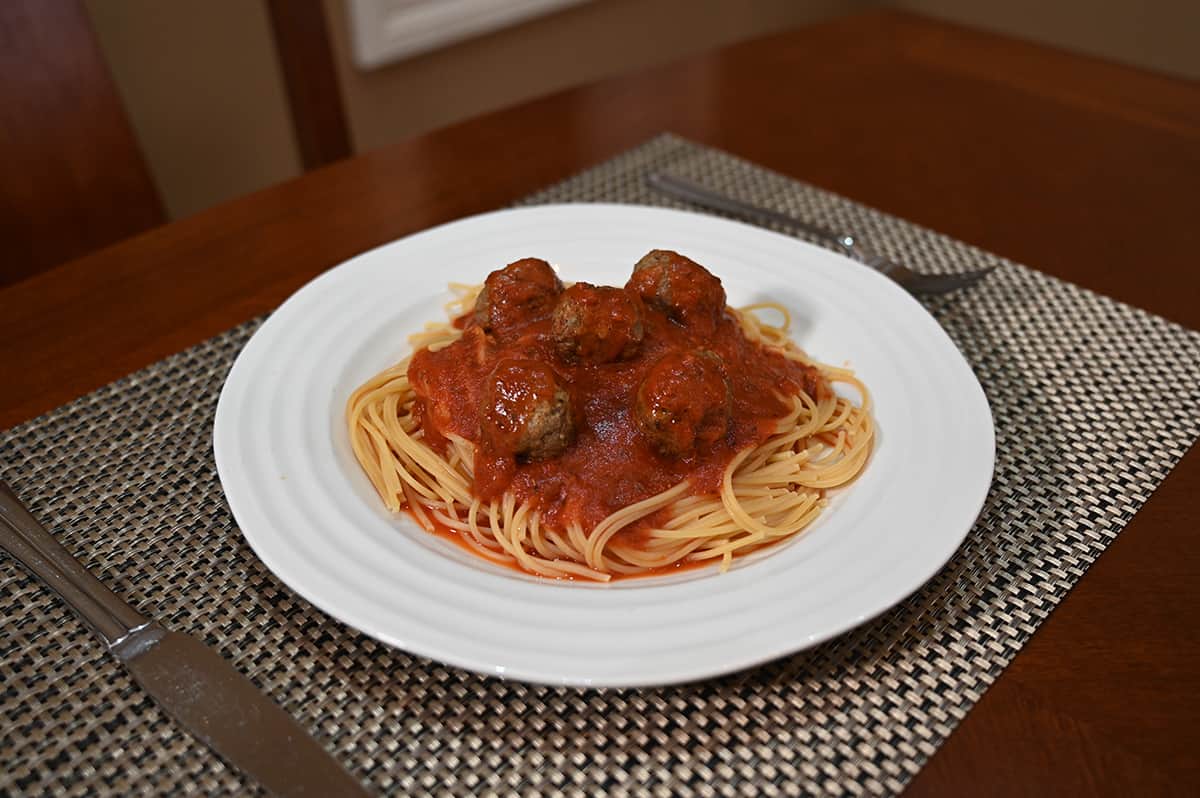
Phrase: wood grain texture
{"type": "Point", "coordinates": [74, 178]}
{"type": "Point", "coordinates": [1077, 167]}
{"type": "Point", "coordinates": [314, 97]}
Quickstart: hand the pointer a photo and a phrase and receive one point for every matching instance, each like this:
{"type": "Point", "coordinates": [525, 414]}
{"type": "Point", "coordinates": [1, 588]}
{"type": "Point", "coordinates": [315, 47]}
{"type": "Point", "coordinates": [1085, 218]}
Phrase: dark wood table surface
{"type": "Point", "coordinates": [1080, 168]}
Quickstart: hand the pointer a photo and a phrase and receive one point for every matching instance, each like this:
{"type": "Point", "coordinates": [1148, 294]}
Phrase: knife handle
{"type": "Point", "coordinates": [23, 536]}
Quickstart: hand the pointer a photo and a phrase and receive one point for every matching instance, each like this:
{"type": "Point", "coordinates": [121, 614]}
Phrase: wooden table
{"type": "Point", "coordinates": [1080, 168]}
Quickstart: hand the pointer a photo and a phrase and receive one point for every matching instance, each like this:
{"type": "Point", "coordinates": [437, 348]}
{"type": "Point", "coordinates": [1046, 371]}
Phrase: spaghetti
{"type": "Point", "coordinates": [613, 496]}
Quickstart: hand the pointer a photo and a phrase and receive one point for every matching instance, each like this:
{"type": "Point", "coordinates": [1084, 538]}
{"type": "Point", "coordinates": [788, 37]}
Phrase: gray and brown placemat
{"type": "Point", "coordinates": [1094, 402]}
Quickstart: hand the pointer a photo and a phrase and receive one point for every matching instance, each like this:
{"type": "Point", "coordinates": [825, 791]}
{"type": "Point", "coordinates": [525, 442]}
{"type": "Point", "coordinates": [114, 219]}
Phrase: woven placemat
{"type": "Point", "coordinates": [1094, 402]}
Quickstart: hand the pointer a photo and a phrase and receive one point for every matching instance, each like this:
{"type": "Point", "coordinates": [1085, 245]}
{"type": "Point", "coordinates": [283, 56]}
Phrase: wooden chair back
{"type": "Point", "coordinates": [74, 178]}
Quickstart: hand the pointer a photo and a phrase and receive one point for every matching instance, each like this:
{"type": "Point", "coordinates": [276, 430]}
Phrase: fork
{"type": "Point", "coordinates": [911, 281]}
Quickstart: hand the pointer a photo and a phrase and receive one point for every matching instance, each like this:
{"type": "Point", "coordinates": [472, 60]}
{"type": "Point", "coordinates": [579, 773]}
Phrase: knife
{"type": "Point", "coordinates": [202, 691]}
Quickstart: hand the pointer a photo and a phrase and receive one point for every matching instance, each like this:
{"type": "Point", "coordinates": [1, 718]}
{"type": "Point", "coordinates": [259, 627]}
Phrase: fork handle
{"type": "Point", "coordinates": [23, 536]}
{"type": "Point", "coordinates": [706, 198]}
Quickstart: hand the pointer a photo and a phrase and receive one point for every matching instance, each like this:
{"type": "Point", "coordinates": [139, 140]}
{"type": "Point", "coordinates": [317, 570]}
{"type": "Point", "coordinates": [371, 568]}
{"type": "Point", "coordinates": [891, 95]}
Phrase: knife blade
{"type": "Point", "coordinates": [227, 712]}
{"type": "Point", "coordinates": [195, 685]}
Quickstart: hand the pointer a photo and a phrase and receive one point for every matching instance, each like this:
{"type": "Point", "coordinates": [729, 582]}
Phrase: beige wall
{"type": "Point", "coordinates": [202, 84]}
{"type": "Point", "coordinates": [1162, 35]}
{"type": "Point", "coordinates": [579, 45]}
{"type": "Point", "coordinates": [203, 87]}
{"type": "Point", "coordinates": [204, 90]}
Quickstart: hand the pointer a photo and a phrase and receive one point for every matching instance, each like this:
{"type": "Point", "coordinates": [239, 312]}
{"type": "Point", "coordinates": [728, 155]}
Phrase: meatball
{"type": "Point", "coordinates": [526, 411]}
{"type": "Point", "coordinates": [597, 324]}
{"type": "Point", "coordinates": [684, 402]}
{"type": "Point", "coordinates": [521, 292]}
{"type": "Point", "coordinates": [681, 288]}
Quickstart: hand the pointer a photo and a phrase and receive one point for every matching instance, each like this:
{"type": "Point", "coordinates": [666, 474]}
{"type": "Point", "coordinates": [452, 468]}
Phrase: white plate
{"type": "Point", "coordinates": [307, 510]}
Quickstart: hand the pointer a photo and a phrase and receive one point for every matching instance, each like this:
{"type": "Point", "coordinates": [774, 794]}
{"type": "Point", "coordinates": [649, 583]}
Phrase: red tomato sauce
{"type": "Point", "coordinates": [610, 464]}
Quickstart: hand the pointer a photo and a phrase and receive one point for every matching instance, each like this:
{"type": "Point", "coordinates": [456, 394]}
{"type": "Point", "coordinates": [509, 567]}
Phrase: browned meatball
{"type": "Point", "coordinates": [521, 292]}
{"type": "Point", "coordinates": [598, 324]}
{"type": "Point", "coordinates": [684, 402]}
{"type": "Point", "coordinates": [526, 411]}
{"type": "Point", "coordinates": [679, 287]}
